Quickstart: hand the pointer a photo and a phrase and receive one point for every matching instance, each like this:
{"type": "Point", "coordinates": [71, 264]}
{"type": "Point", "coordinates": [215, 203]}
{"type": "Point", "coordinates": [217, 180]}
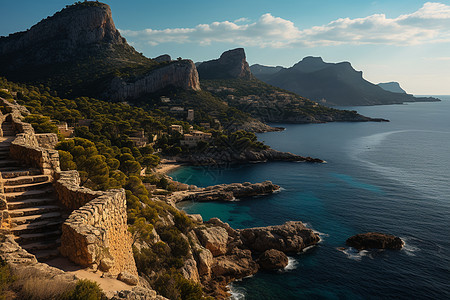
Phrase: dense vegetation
{"type": "Point", "coordinates": [106, 158]}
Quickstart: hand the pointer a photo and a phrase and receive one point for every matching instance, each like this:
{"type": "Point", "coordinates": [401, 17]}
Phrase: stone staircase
{"type": "Point", "coordinates": [36, 217]}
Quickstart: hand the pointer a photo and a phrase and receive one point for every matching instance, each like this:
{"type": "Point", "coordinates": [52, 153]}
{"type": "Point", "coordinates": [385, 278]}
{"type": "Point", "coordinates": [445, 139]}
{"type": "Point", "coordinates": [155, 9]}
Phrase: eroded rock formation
{"type": "Point", "coordinates": [231, 64]}
{"type": "Point", "coordinates": [182, 74]}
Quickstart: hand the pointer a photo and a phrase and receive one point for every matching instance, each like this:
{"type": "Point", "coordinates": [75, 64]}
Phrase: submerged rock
{"type": "Point", "coordinates": [375, 240]}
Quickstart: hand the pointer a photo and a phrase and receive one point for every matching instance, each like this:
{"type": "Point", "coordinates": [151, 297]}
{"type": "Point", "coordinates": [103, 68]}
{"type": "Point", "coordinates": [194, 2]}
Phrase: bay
{"type": "Point", "coordinates": [390, 177]}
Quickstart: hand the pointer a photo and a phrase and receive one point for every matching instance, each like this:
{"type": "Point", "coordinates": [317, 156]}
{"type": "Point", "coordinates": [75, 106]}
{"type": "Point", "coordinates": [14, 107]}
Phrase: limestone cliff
{"type": "Point", "coordinates": [79, 52]}
{"type": "Point", "coordinates": [66, 31]}
{"type": "Point", "coordinates": [231, 64]}
{"type": "Point", "coordinates": [182, 74]}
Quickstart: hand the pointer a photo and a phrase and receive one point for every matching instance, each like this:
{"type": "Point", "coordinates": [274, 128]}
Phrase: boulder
{"type": "Point", "coordinates": [204, 261]}
{"type": "Point", "coordinates": [291, 237]}
{"type": "Point", "coordinates": [106, 264]}
{"type": "Point", "coordinates": [238, 264]}
{"type": "Point", "coordinates": [128, 278]}
{"type": "Point", "coordinates": [375, 240]}
{"type": "Point", "coordinates": [214, 239]}
{"type": "Point", "coordinates": [273, 260]}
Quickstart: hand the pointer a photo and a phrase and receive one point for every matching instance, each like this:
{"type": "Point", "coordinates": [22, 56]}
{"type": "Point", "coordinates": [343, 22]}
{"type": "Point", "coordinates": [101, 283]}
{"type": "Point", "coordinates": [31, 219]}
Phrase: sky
{"type": "Point", "coordinates": [407, 41]}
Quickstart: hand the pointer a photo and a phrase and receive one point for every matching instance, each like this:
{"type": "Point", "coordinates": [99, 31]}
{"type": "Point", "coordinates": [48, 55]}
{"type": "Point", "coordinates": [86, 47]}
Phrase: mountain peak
{"type": "Point", "coordinates": [310, 64]}
{"type": "Point", "coordinates": [231, 64]}
{"type": "Point", "coordinates": [81, 24]}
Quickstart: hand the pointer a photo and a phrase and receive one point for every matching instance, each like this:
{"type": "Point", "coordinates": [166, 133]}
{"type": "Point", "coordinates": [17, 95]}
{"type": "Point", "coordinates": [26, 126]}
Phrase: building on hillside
{"type": "Point", "coordinates": [138, 138]}
{"type": "Point", "coordinates": [192, 139]}
{"type": "Point", "coordinates": [190, 115]}
{"type": "Point", "coordinates": [65, 130]}
{"type": "Point", "coordinates": [176, 128]}
{"type": "Point", "coordinates": [165, 99]}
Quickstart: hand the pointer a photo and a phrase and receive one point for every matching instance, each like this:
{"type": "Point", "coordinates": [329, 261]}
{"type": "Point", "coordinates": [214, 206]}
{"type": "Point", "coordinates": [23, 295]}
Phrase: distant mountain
{"type": "Point", "coordinates": [79, 52]}
{"type": "Point", "coordinates": [261, 71]}
{"type": "Point", "coordinates": [231, 64]}
{"type": "Point", "coordinates": [334, 84]}
{"type": "Point", "coordinates": [392, 86]}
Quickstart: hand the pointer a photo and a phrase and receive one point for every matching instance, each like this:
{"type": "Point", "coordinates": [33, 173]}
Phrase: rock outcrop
{"type": "Point", "coordinates": [291, 237]}
{"type": "Point", "coordinates": [181, 74]}
{"type": "Point", "coordinates": [231, 64]}
{"type": "Point", "coordinates": [163, 58]}
{"type": "Point", "coordinates": [225, 192]}
{"type": "Point", "coordinates": [224, 254]}
{"type": "Point", "coordinates": [273, 260]}
{"type": "Point", "coordinates": [375, 240]}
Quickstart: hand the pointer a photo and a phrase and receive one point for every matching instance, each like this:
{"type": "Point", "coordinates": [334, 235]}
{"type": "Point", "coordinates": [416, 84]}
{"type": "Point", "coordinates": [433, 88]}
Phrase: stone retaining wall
{"type": "Point", "coordinates": [96, 232]}
{"type": "Point", "coordinates": [28, 147]}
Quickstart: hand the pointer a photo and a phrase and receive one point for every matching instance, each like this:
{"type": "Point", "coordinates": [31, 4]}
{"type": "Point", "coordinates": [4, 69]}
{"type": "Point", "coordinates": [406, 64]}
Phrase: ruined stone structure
{"type": "Point", "coordinates": [43, 208]}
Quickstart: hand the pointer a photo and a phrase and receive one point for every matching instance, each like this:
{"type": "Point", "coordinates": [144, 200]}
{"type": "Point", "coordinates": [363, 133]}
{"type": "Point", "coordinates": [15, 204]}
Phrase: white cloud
{"type": "Point", "coordinates": [429, 24]}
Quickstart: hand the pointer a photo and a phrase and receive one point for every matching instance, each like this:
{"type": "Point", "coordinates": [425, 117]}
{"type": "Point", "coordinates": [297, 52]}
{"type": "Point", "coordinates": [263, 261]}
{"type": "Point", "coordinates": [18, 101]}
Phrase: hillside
{"type": "Point", "coordinates": [79, 52]}
{"type": "Point", "coordinates": [333, 84]}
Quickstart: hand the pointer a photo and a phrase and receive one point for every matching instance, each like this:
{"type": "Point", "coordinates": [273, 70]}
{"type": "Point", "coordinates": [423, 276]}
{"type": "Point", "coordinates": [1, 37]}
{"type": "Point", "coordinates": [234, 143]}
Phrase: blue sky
{"type": "Point", "coordinates": [404, 41]}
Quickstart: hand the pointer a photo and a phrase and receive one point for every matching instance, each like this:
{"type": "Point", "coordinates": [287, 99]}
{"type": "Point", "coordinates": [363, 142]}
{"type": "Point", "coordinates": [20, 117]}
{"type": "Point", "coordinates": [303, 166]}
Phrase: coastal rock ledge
{"type": "Point", "coordinates": [375, 240]}
{"type": "Point", "coordinates": [225, 192]}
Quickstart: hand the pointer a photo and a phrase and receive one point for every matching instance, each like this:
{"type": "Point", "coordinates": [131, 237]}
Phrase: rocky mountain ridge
{"type": "Point", "coordinates": [332, 84]}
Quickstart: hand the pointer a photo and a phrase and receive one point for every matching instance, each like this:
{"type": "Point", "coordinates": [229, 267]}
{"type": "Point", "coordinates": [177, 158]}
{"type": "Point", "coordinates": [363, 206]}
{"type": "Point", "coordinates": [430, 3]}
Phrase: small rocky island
{"type": "Point", "coordinates": [375, 240]}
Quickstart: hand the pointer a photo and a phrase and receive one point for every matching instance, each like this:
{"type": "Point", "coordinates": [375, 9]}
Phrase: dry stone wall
{"type": "Point", "coordinates": [96, 232]}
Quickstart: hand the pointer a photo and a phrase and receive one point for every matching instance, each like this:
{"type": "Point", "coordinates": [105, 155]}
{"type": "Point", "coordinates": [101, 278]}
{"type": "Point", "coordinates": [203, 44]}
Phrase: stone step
{"type": "Point", "coordinates": [35, 227]}
{"type": "Point", "coordinates": [4, 155]}
{"type": "Point", "coordinates": [29, 238]}
{"type": "Point", "coordinates": [31, 202]}
{"type": "Point", "coordinates": [36, 218]}
{"type": "Point", "coordinates": [9, 163]}
{"type": "Point", "coordinates": [44, 255]}
{"type": "Point", "coordinates": [27, 187]}
{"type": "Point", "coordinates": [19, 172]}
{"type": "Point", "coordinates": [16, 196]}
{"type": "Point", "coordinates": [43, 245]}
{"type": "Point", "coordinates": [26, 180]}
{"type": "Point", "coordinates": [36, 210]}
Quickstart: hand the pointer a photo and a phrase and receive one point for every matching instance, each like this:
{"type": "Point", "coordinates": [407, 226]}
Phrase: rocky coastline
{"type": "Point", "coordinates": [248, 156]}
{"type": "Point", "coordinates": [224, 192]}
{"type": "Point", "coordinates": [224, 254]}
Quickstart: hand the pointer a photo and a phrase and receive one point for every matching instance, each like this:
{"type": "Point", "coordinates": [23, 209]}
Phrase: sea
{"type": "Point", "coordinates": [391, 177]}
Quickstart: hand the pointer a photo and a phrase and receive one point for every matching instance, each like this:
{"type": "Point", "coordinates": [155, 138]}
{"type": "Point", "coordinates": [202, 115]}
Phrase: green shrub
{"type": "Point", "coordinates": [86, 290]}
{"type": "Point", "coordinates": [6, 279]}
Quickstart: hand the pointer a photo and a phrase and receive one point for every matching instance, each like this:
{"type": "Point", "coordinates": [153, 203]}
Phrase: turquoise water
{"type": "Point", "coordinates": [390, 177]}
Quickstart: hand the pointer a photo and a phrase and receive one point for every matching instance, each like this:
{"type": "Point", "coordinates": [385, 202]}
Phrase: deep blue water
{"type": "Point", "coordinates": [390, 177]}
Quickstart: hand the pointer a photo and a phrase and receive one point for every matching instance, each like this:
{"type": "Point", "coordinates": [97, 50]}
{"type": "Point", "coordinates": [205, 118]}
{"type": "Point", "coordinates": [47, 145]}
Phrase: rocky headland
{"type": "Point", "coordinates": [214, 157]}
{"type": "Point", "coordinates": [224, 254]}
{"type": "Point", "coordinates": [375, 240]}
